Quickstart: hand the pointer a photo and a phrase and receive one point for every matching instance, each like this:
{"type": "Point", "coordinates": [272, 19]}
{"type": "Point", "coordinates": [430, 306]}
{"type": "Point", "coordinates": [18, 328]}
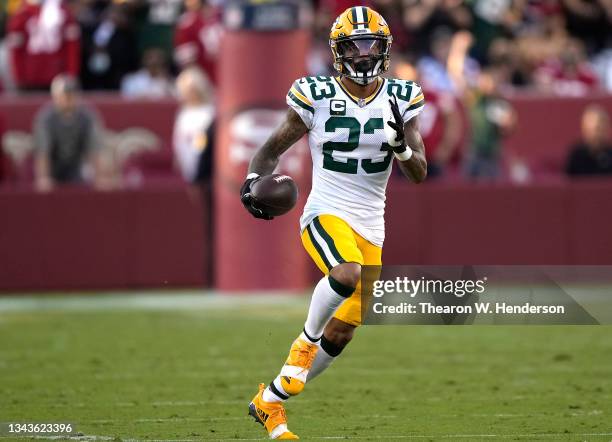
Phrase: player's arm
{"type": "Point", "coordinates": [407, 144]}
{"type": "Point", "coordinates": [290, 131]}
{"type": "Point", "coordinates": [415, 168]}
{"type": "Point", "coordinates": [266, 158]}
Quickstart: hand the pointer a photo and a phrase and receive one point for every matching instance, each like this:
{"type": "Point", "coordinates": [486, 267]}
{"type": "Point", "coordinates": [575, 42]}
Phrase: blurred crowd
{"type": "Point", "coordinates": [136, 46]}
{"type": "Point", "coordinates": [467, 54]}
{"type": "Point", "coordinates": [558, 46]}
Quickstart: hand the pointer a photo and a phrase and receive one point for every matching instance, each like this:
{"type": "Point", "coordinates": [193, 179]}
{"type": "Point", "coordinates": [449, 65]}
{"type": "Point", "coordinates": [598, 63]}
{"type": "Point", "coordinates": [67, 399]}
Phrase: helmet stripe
{"type": "Point", "coordinates": [354, 16]}
{"type": "Point", "coordinates": [359, 18]}
{"type": "Point", "coordinates": [363, 18]}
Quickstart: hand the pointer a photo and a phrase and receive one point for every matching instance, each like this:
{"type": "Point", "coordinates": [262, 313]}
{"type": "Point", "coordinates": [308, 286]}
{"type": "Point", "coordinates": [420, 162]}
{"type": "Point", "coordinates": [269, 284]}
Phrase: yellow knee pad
{"type": "Point", "coordinates": [292, 386]}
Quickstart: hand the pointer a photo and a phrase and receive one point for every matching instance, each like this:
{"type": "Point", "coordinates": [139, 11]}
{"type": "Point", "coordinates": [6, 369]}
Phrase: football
{"type": "Point", "coordinates": [275, 194]}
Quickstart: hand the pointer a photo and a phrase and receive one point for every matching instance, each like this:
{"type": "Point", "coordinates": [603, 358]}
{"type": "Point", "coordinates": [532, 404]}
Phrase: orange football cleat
{"type": "Point", "coordinates": [271, 415]}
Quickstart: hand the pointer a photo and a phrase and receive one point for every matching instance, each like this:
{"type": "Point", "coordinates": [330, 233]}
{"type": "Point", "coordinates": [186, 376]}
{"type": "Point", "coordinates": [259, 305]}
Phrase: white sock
{"type": "Point", "coordinates": [327, 297]}
{"type": "Point", "coordinates": [320, 364]}
{"type": "Point", "coordinates": [279, 396]}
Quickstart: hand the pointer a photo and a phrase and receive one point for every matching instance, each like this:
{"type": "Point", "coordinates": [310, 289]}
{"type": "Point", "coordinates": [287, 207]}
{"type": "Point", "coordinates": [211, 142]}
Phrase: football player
{"type": "Point", "coordinates": [356, 123]}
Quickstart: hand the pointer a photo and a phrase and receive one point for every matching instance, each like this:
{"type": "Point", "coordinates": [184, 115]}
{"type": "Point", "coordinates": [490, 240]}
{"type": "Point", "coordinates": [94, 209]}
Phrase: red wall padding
{"type": "Point", "coordinates": [562, 223]}
{"type": "Point", "coordinates": [547, 127]}
{"type": "Point", "coordinates": [156, 237]}
{"type": "Point", "coordinates": [79, 239]}
{"type": "Point", "coordinates": [252, 253]}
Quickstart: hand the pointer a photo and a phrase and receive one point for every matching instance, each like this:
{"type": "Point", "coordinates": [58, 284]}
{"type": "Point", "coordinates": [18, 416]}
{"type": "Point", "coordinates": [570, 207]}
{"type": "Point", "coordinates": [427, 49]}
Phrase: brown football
{"type": "Point", "coordinates": [275, 194]}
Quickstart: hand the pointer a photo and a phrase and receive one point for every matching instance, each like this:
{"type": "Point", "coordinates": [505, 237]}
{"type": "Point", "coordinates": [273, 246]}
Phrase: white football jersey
{"type": "Point", "coordinates": [350, 155]}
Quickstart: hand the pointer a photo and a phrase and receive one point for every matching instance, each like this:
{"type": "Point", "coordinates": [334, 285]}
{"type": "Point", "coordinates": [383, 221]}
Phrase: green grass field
{"type": "Point", "coordinates": [184, 367]}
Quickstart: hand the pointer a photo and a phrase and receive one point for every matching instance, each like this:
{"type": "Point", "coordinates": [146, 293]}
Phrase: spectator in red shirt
{"type": "Point", "coordinates": [441, 124]}
{"type": "Point", "coordinates": [197, 37]}
{"type": "Point", "coordinates": [443, 130]}
{"type": "Point", "coordinates": [44, 42]}
{"type": "Point", "coordinates": [571, 74]}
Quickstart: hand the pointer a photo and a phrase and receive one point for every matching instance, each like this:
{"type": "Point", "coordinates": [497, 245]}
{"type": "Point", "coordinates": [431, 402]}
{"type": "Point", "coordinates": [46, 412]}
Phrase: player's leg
{"type": "Point", "coordinates": [336, 336]}
{"type": "Point", "coordinates": [340, 329]}
{"type": "Point", "coordinates": [331, 244]}
{"type": "Point", "coordinates": [330, 292]}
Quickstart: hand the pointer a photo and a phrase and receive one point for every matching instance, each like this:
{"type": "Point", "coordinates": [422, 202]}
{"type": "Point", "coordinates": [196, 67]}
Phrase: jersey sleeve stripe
{"type": "Point", "coordinates": [415, 105]}
{"type": "Point", "coordinates": [417, 99]}
{"type": "Point", "coordinates": [296, 86]}
{"type": "Point", "coordinates": [300, 103]}
{"type": "Point", "coordinates": [301, 96]}
{"type": "Point", "coordinates": [328, 239]}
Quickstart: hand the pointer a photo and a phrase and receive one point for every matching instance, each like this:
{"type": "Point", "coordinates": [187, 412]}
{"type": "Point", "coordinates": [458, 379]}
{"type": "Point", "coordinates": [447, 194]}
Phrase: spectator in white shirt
{"type": "Point", "coordinates": [193, 127]}
{"type": "Point", "coordinates": [152, 81]}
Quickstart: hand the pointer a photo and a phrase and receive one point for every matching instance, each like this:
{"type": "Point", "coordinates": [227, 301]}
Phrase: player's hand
{"type": "Point", "coordinates": [397, 140]}
{"type": "Point", "coordinates": [248, 201]}
{"type": "Point", "coordinates": [396, 137]}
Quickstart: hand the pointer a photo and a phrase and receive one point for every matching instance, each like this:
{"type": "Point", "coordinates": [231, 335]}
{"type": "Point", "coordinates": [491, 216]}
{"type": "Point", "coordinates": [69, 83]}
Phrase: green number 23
{"type": "Point", "coordinates": [351, 164]}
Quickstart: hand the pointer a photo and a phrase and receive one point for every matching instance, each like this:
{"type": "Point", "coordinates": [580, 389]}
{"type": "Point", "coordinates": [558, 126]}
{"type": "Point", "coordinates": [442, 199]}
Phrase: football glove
{"type": "Point", "coordinates": [395, 137]}
{"type": "Point", "coordinates": [248, 201]}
